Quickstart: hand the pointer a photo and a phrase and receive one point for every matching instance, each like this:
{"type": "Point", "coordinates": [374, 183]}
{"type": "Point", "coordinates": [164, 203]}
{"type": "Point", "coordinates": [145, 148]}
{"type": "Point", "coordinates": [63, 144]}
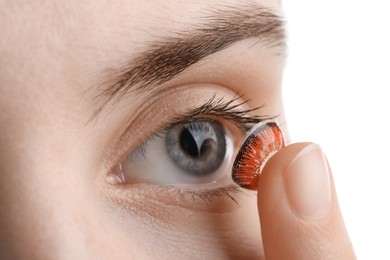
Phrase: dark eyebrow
{"type": "Point", "coordinates": [168, 57]}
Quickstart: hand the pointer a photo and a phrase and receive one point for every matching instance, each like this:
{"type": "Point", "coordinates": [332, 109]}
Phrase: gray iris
{"type": "Point", "coordinates": [198, 147]}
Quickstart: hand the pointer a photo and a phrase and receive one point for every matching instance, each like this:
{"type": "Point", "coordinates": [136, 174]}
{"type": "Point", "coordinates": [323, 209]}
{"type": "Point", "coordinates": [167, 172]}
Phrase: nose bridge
{"type": "Point", "coordinates": [41, 222]}
{"type": "Point", "coordinates": [42, 206]}
{"type": "Point", "coordinates": [30, 229]}
{"type": "Point", "coordinates": [29, 219]}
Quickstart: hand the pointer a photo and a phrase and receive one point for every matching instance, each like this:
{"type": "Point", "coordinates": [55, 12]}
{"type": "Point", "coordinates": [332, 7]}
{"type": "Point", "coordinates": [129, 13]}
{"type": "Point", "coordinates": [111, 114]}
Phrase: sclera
{"type": "Point", "coordinates": [260, 143]}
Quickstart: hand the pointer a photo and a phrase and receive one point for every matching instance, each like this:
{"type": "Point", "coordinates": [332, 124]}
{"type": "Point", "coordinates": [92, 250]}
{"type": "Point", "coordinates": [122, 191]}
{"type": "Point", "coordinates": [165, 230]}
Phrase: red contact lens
{"type": "Point", "coordinates": [262, 141]}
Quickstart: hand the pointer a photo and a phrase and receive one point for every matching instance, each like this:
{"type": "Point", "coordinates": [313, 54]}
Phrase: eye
{"type": "Point", "coordinates": [184, 152]}
{"type": "Point", "coordinates": [199, 152]}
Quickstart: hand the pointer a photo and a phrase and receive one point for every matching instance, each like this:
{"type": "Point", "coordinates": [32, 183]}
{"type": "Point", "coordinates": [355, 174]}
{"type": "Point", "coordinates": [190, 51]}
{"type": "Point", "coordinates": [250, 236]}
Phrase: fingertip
{"type": "Point", "coordinates": [276, 165]}
{"type": "Point", "coordinates": [298, 209]}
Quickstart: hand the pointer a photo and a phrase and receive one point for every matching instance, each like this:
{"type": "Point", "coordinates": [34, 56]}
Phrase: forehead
{"type": "Point", "coordinates": [107, 21]}
{"type": "Point", "coordinates": [61, 40]}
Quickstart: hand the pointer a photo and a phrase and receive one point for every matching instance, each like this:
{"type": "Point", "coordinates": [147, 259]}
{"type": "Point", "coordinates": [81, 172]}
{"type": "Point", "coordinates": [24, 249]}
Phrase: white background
{"type": "Point", "coordinates": [336, 92]}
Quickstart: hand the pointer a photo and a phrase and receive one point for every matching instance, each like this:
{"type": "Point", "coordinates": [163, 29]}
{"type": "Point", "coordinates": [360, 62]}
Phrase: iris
{"type": "Point", "coordinates": [198, 148]}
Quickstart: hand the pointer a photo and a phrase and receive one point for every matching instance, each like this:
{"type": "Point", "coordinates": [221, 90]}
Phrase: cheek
{"type": "Point", "coordinates": [155, 228]}
{"type": "Point", "coordinates": [48, 203]}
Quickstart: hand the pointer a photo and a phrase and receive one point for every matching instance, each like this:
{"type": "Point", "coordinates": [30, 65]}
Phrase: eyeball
{"type": "Point", "coordinates": [193, 155]}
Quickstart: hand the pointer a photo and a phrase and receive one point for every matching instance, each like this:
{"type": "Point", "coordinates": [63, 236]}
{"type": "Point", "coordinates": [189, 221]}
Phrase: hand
{"type": "Point", "coordinates": [299, 213]}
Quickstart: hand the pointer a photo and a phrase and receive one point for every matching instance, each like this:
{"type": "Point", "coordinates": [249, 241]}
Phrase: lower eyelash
{"type": "Point", "coordinates": [208, 195]}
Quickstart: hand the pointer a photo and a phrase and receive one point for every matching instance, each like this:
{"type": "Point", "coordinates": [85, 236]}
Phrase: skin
{"type": "Point", "coordinates": [55, 201]}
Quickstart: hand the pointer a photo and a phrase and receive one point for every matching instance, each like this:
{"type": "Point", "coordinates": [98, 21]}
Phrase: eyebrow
{"type": "Point", "coordinates": [167, 57]}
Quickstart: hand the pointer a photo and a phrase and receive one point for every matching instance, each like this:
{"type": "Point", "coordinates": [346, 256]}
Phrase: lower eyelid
{"type": "Point", "coordinates": [217, 200]}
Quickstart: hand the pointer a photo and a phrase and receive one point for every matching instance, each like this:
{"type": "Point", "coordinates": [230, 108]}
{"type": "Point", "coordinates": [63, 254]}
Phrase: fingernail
{"type": "Point", "coordinates": [307, 183]}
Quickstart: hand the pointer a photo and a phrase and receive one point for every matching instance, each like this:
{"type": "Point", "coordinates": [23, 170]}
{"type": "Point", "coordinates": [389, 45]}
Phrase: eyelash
{"type": "Point", "coordinates": [214, 107]}
{"type": "Point", "coordinates": [229, 110]}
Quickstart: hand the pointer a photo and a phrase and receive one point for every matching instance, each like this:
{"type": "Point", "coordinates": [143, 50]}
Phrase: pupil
{"type": "Point", "coordinates": [188, 143]}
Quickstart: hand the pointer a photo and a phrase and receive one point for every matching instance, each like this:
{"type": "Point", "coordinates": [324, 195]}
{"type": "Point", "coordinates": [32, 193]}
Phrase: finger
{"type": "Point", "coordinates": [299, 213]}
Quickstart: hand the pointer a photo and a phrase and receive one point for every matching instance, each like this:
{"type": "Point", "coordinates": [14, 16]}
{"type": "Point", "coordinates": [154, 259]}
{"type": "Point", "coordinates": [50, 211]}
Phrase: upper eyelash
{"type": "Point", "coordinates": [218, 107]}
{"type": "Point", "coordinates": [214, 107]}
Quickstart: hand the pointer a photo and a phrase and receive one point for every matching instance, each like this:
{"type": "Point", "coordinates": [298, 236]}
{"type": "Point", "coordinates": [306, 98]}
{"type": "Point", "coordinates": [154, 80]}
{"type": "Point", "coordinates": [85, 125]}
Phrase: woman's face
{"type": "Point", "coordinates": [110, 113]}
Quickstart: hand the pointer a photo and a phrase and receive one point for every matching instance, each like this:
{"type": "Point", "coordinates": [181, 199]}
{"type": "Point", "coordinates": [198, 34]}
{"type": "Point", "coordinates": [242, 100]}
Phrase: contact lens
{"type": "Point", "coordinates": [261, 142]}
